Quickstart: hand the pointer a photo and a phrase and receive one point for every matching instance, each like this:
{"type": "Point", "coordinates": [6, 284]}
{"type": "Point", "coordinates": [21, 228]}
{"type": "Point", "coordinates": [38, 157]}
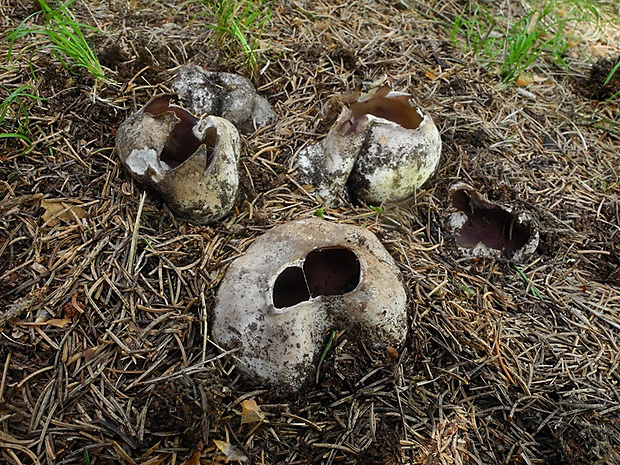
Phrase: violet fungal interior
{"type": "Point", "coordinates": [488, 223]}
{"type": "Point", "coordinates": [396, 108]}
{"type": "Point", "coordinates": [326, 271]}
{"type": "Point", "coordinates": [181, 142]}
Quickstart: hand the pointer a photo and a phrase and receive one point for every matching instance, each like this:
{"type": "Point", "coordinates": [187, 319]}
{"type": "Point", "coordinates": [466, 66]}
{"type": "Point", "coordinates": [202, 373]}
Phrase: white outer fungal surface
{"type": "Point", "coordinates": [281, 346]}
{"type": "Point", "coordinates": [198, 190]}
{"type": "Point", "coordinates": [382, 161]}
{"type": "Point", "coordinates": [328, 164]}
{"type": "Point", "coordinates": [395, 161]}
{"type": "Point", "coordinates": [229, 96]}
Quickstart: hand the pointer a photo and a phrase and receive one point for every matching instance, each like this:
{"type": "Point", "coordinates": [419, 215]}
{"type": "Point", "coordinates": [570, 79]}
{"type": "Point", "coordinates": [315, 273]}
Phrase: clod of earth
{"type": "Point", "coordinates": [226, 95]}
{"type": "Point", "coordinates": [191, 163]}
{"type": "Point", "coordinates": [379, 149]}
{"type": "Point", "coordinates": [294, 285]}
{"type": "Point", "coordinates": [483, 228]}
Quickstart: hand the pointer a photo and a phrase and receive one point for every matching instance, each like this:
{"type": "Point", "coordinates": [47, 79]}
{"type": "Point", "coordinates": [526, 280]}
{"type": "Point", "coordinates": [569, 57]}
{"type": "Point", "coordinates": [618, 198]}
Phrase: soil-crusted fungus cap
{"type": "Point", "coordinates": [298, 282]}
{"type": "Point", "coordinates": [227, 95]}
{"type": "Point", "coordinates": [191, 163]}
{"type": "Point", "coordinates": [379, 149]}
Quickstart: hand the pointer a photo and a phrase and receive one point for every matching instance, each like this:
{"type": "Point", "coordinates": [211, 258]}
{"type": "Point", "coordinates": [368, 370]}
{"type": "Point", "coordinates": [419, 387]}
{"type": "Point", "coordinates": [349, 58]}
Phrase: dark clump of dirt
{"type": "Point", "coordinates": [112, 56]}
{"type": "Point", "coordinates": [345, 57]}
{"type": "Point", "coordinates": [604, 80]}
{"type": "Point", "coordinates": [582, 442]}
{"type": "Point", "coordinates": [174, 407]}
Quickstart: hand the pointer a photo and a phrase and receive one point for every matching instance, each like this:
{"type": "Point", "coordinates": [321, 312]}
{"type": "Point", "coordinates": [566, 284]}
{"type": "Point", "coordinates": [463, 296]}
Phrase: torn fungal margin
{"type": "Point", "coordinates": [392, 106]}
{"type": "Point", "coordinates": [488, 223]}
{"type": "Point", "coordinates": [326, 271]}
{"type": "Point", "coordinates": [182, 141]}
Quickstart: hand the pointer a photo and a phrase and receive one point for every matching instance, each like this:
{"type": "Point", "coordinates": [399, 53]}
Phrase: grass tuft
{"type": "Point", "coordinates": [516, 45]}
{"type": "Point", "coordinates": [243, 22]}
{"type": "Point", "coordinates": [15, 114]}
{"type": "Point", "coordinates": [69, 44]}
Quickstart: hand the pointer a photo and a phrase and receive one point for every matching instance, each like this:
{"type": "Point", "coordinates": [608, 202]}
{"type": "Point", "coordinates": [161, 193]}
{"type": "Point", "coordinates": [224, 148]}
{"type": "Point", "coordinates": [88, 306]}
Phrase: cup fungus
{"type": "Point", "coordinates": [379, 149]}
{"type": "Point", "coordinates": [483, 228]}
{"type": "Point", "coordinates": [223, 94]}
{"type": "Point", "coordinates": [191, 163]}
{"type": "Point", "coordinates": [295, 284]}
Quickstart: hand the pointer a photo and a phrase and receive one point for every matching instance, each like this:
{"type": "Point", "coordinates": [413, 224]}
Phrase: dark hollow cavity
{"type": "Point", "coordinates": [326, 271]}
{"type": "Point", "coordinates": [290, 288]}
{"type": "Point", "coordinates": [332, 271]}
{"type": "Point", "coordinates": [396, 108]}
{"type": "Point", "coordinates": [181, 142]}
{"type": "Point", "coordinates": [488, 224]}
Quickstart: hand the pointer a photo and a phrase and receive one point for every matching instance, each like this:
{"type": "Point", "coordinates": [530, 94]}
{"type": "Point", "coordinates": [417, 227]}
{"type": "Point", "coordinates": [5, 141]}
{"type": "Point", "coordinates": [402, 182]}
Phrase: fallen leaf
{"type": "Point", "coordinates": [392, 352]}
{"type": "Point", "coordinates": [57, 210]}
{"type": "Point", "coordinates": [194, 459]}
{"type": "Point", "coordinates": [41, 321]}
{"type": "Point", "coordinates": [89, 353]}
{"type": "Point", "coordinates": [524, 80]}
{"type": "Point", "coordinates": [58, 322]}
{"type": "Point", "coordinates": [38, 268]}
{"type": "Point", "coordinates": [250, 412]}
{"type": "Point", "coordinates": [230, 451]}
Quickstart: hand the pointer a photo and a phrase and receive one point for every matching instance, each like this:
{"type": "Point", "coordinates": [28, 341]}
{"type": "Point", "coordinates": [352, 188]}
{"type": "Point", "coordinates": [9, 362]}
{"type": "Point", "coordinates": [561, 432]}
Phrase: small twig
{"type": "Point", "coordinates": [4, 371]}
{"type": "Point", "coordinates": [134, 237]}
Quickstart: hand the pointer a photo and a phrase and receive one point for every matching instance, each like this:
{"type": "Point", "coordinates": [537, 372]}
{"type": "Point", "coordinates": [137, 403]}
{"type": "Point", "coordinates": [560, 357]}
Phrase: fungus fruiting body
{"type": "Point", "coordinates": [379, 149]}
{"type": "Point", "coordinates": [191, 163]}
{"type": "Point", "coordinates": [181, 143]}
{"type": "Point", "coordinates": [483, 228]}
{"type": "Point", "coordinates": [390, 106]}
{"type": "Point", "coordinates": [294, 285]}
{"type": "Point", "coordinates": [225, 95]}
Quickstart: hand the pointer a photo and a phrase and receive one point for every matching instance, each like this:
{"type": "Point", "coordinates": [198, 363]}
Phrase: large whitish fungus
{"type": "Point", "coordinates": [483, 228]}
{"type": "Point", "coordinates": [191, 163]}
{"type": "Point", "coordinates": [380, 149]}
{"type": "Point", "coordinates": [294, 285]}
{"type": "Point", "coordinates": [223, 94]}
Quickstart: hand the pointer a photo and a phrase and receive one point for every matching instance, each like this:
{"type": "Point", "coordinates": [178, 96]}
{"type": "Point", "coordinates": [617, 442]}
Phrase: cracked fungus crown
{"type": "Point", "coordinates": [296, 283]}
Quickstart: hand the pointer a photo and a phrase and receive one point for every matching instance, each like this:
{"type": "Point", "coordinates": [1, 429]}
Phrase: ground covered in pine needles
{"type": "Point", "coordinates": [106, 352]}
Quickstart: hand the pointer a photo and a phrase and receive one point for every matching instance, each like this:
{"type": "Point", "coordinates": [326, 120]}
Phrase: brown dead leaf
{"type": "Point", "coordinates": [250, 412]}
{"type": "Point", "coordinates": [431, 75]}
{"type": "Point", "coordinates": [194, 459]}
{"type": "Point", "coordinates": [89, 353]}
{"type": "Point", "coordinates": [230, 451]}
{"type": "Point", "coordinates": [392, 352]}
{"type": "Point", "coordinates": [58, 322]}
{"type": "Point", "coordinates": [524, 80]}
{"type": "Point", "coordinates": [61, 210]}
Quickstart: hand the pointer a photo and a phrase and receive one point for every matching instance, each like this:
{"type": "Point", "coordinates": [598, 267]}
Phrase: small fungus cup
{"type": "Point", "coordinates": [227, 95]}
{"type": "Point", "coordinates": [380, 149]}
{"type": "Point", "coordinates": [485, 229]}
{"type": "Point", "coordinates": [191, 163]}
